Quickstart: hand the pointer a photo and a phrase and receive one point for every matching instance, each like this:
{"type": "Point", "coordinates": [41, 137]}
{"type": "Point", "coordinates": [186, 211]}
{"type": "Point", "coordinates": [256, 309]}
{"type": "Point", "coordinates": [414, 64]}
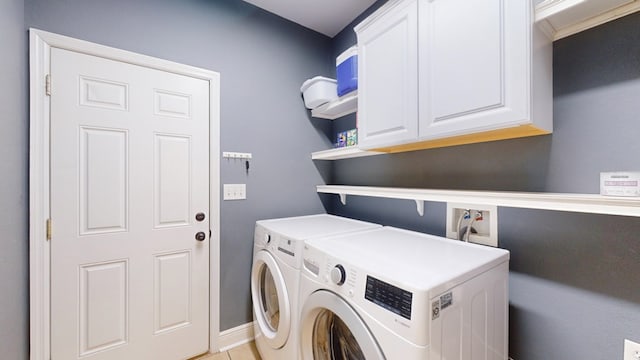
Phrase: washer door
{"type": "Point", "coordinates": [271, 307]}
{"type": "Point", "coordinates": [331, 329]}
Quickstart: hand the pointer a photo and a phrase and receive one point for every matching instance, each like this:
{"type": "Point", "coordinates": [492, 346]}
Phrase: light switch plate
{"type": "Point", "coordinates": [631, 350]}
{"type": "Point", "coordinates": [234, 191]}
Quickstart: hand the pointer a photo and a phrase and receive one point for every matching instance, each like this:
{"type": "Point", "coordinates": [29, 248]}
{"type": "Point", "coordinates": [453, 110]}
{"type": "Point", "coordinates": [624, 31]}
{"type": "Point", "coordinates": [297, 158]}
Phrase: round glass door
{"type": "Point", "coordinates": [332, 330]}
{"type": "Point", "coordinates": [269, 299]}
{"type": "Point", "coordinates": [332, 339]}
{"type": "Point", "coordinates": [271, 306]}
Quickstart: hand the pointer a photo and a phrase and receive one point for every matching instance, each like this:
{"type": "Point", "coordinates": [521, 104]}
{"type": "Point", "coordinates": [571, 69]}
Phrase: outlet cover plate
{"type": "Point", "coordinates": [488, 234]}
{"type": "Point", "coordinates": [631, 350]}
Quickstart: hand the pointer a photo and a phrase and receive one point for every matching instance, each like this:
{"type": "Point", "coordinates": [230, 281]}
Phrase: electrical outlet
{"type": "Point", "coordinates": [483, 220]}
{"type": "Point", "coordinates": [631, 350]}
{"type": "Point", "coordinates": [234, 191]}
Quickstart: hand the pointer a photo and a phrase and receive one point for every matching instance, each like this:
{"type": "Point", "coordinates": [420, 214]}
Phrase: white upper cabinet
{"type": "Point", "coordinates": [388, 75]}
{"type": "Point", "coordinates": [483, 73]}
{"type": "Point", "coordinates": [461, 56]}
{"type": "Point", "coordinates": [475, 67]}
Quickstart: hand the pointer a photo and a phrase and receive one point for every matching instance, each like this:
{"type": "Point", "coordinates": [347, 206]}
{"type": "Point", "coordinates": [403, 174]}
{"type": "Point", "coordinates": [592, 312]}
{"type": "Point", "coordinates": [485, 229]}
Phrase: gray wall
{"type": "Point", "coordinates": [14, 270]}
{"type": "Point", "coordinates": [574, 277]}
{"type": "Point", "coordinates": [262, 60]}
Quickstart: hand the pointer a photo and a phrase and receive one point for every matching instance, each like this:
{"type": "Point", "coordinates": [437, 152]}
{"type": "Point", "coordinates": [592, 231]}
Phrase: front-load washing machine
{"type": "Point", "coordinates": [275, 276]}
{"type": "Point", "coordinates": [397, 294]}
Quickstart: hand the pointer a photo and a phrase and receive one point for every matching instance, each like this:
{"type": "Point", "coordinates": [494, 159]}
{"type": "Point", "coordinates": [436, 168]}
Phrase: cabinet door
{"type": "Point", "coordinates": [474, 65]}
{"type": "Point", "coordinates": [388, 76]}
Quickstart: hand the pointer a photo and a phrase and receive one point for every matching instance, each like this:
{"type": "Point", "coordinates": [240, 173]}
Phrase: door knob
{"type": "Point", "coordinates": [201, 236]}
{"type": "Point", "coordinates": [200, 216]}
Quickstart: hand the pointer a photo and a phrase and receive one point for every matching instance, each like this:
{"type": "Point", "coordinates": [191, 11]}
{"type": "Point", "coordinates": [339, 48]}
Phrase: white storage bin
{"type": "Point", "coordinates": [318, 91]}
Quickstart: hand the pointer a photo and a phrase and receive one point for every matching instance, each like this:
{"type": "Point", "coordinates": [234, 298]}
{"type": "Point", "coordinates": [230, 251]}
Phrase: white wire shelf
{"type": "Point", "coordinates": [582, 203]}
{"type": "Point", "coordinates": [342, 153]}
{"type": "Point", "coordinates": [561, 18]}
{"type": "Point", "coordinates": [344, 105]}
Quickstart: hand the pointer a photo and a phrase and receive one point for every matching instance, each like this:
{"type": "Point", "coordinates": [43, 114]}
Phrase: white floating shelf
{"type": "Point", "coordinates": [337, 108]}
{"type": "Point", "coordinates": [561, 18]}
{"type": "Point", "coordinates": [342, 153]}
{"type": "Point", "coordinates": [583, 203]}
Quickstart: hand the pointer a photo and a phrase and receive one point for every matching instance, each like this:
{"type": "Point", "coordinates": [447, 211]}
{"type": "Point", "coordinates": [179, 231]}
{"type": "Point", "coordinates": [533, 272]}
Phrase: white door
{"type": "Point", "coordinates": [129, 174]}
{"type": "Point", "coordinates": [473, 66]}
{"type": "Point", "coordinates": [388, 76]}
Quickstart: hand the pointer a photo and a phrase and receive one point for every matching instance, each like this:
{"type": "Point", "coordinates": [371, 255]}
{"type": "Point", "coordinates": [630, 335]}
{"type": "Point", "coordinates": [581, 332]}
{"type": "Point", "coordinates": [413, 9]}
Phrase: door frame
{"type": "Point", "coordinates": [40, 44]}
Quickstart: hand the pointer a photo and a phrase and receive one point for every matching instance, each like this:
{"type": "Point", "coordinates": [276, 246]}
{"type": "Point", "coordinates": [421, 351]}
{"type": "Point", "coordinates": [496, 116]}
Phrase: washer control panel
{"type": "Point", "coordinates": [398, 307]}
{"type": "Point", "coordinates": [389, 297]}
{"type": "Point", "coordinates": [338, 275]}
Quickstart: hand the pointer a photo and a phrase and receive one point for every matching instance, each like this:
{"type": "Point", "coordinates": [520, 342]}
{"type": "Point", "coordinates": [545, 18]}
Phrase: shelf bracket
{"type": "Point", "coordinates": [420, 207]}
{"type": "Point", "coordinates": [343, 198]}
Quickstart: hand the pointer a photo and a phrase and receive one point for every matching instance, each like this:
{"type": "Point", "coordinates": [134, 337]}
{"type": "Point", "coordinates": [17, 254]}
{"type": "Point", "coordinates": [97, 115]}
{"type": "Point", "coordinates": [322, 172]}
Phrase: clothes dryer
{"type": "Point", "coordinates": [275, 277]}
{"type": "Point", "coordinates": [396, 294]}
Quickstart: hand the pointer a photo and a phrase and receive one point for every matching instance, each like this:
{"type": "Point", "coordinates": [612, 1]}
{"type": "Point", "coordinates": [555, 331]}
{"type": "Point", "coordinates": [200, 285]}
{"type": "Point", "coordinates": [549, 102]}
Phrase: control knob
{"type": "Point", "coordinates": [338, 275]}
{"type": "Point", "coordinates": [267, 239]}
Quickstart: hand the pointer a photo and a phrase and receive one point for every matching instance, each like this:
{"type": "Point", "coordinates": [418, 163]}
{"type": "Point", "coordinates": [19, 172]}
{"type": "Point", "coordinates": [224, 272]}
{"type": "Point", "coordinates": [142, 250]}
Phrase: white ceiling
{"type": "Point", "coordinates": [324, 16]}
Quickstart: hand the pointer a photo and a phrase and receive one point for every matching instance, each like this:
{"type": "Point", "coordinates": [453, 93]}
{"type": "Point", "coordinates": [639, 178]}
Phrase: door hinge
{"type": "Point", "coordinates": [47, 85]}
{"type": "Point", "coordinates": [48, 229]}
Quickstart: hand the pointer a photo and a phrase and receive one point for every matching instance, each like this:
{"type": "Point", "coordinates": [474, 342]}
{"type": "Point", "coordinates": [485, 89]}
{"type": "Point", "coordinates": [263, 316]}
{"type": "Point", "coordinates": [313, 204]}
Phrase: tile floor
{"type": "Point", "coordinates": [243, 352]}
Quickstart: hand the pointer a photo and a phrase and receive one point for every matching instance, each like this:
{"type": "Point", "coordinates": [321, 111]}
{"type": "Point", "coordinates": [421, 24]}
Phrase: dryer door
{"type": "Point", "coordinates": [331, 329]}
{"type": "Point", "coordinates": [271, 307]}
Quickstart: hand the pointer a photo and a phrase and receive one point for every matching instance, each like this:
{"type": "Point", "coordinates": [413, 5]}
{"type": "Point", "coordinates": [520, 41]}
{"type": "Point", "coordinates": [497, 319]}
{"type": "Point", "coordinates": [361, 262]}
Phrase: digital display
{"type": "Point", "coordinates": [389, 297]}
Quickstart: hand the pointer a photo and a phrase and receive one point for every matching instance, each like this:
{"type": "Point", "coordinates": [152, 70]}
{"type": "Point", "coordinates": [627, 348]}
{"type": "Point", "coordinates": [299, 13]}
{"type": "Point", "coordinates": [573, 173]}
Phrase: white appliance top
{"type": "Point", "coordinates": [410, 258]}
{"type": "Point", "coordinates": [312, 226]}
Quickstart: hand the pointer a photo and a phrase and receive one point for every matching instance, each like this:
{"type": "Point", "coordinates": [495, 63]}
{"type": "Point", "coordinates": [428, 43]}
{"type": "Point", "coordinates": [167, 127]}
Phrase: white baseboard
{"type": "Point", "coordinates": [236, 336]}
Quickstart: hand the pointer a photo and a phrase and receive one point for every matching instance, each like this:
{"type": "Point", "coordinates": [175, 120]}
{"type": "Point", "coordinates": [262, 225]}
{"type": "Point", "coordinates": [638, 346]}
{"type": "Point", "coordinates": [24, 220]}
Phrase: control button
{"type": "Point", "coordinates": [338, 275]}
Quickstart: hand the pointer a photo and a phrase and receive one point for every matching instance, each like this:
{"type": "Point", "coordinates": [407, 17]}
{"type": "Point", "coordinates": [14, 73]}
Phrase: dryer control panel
{"type": "Point", "coordinates": [287, 246]}
{"type": "Point", "coordinates": [286, 249]}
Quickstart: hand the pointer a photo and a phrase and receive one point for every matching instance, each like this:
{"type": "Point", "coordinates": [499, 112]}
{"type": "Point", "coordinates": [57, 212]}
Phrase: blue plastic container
{"type": "Point", "coordinates": [347, 71]}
